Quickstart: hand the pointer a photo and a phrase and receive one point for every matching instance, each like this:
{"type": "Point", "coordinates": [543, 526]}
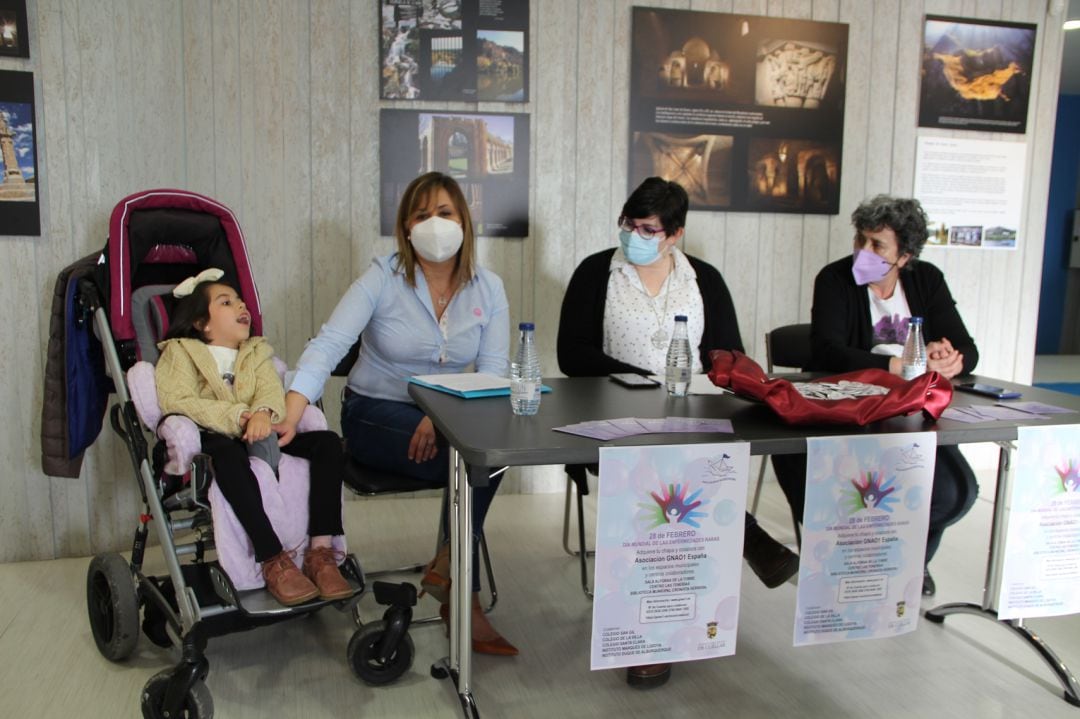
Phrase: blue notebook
{"type": "Point", "coordinates": [468, 385]}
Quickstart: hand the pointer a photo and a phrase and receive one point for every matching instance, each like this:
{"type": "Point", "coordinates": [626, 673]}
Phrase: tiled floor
{"type": "Point", "coordinates": [965, 668]}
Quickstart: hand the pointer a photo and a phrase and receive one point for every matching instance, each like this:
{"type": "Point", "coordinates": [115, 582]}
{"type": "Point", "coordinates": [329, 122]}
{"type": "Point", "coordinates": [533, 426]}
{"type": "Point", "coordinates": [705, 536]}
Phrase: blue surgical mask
{"type": "Point", "coordinates": [637, 250]}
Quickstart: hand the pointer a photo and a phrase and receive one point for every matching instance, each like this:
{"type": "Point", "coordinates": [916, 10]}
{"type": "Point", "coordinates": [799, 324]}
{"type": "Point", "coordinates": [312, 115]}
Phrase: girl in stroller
{"type": "Point", "coordinates": [214, 372]}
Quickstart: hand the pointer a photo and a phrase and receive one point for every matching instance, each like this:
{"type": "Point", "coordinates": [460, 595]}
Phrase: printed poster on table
{"type": "Point", "coordinates": [745, 112]}
{"type": "Point", "coordinates": [972, 191]}
{"type": "Point", "coordinates": [1041, 571]}
{"type": "Point", "coordinates": [864, 536]}
{"type": "Point", "coordinates": [669, 537]}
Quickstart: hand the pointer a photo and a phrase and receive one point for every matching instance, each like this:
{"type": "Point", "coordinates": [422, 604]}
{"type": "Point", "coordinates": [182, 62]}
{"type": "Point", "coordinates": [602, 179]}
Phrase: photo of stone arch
{"type": "Point", "coordinates": [793, 175]}
{"type": "Point", "coordinates": [700, 163]}
{"type": "Point", "coordinates": [487, 153]}
{"type": "Point", "coordinates": [794, 73]}
{"type": "Point", "coordinates": [473, 146]}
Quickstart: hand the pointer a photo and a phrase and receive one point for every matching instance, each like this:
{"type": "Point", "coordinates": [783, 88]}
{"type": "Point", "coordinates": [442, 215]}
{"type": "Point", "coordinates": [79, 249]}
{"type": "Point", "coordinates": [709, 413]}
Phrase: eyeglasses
{"type": "Point", "coordinates": [644, 231]}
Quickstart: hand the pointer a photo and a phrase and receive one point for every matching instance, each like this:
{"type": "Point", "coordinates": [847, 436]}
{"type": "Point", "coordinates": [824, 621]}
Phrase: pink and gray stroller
{"type": "Point", "coordinates": [156, 239]}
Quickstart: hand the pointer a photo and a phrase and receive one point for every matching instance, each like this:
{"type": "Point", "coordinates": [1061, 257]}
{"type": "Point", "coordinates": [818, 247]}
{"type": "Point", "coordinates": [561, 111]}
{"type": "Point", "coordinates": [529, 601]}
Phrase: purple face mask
{"type": "Point", "coordinates": [869, 267]}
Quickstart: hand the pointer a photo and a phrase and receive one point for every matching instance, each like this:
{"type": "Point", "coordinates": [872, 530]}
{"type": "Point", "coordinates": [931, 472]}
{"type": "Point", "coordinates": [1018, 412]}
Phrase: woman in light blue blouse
{"type": "Point", "coordinates": [426, 309]}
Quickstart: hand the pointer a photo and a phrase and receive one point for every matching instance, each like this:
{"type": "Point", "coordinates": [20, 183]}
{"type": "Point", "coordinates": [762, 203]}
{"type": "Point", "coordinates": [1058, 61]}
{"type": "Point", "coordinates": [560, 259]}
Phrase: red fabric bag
{"type": "Point", "coordinates": [930, 393]}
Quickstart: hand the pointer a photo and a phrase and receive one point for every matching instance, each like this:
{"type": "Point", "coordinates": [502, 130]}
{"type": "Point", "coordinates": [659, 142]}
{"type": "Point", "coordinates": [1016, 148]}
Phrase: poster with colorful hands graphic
{"type": "Point", "coordinates": [1041, 572]}
{"type": "Point", "coordinates": [669, 537]}
{"type": "Point", "coordinates": [864, 536]}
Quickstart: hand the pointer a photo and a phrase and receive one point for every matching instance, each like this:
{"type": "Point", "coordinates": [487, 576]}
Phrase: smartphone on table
{"type": "Point", "coordinates": [633, 381]}
{"type": "Point", "coordinates": [987, 390]}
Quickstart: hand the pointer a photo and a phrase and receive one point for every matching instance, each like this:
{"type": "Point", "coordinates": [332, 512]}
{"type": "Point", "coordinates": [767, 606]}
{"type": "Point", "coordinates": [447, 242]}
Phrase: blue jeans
{"type": "Point", "coordinates": [378, 431]}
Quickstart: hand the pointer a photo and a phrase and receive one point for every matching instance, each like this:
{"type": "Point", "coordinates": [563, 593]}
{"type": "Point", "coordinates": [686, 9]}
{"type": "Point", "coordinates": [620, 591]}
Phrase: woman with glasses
{"type": "Point", "coordinates": [618, 316]}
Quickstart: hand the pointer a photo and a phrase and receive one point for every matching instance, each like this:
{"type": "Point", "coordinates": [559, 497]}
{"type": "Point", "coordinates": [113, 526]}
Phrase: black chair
{"type": "Point", "coordinates": [366, 481]}
{"type": "Point", "coordinates": [577, 475]}
{"type": "Point", "coordinates": [787, 346]}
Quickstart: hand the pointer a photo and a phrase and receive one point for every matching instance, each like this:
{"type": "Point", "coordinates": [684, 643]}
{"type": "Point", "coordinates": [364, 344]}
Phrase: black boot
{"type": "Point", "coordinates": [771, 561]}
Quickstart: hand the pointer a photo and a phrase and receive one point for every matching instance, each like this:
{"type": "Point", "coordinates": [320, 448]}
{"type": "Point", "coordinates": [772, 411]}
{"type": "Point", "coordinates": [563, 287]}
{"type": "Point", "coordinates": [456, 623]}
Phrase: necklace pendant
{"type": "Point", "coordinates": [443, 301]}
{"type": "Point", "coordinates": [659, 339]}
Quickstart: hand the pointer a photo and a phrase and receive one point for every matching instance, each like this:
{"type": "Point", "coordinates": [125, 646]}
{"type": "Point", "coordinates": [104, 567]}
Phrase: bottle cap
{"type": "Point", "coordinates": [680, 318]}
{"type": "Point", "coordinates": [526, 326]}
{"type": "Point", "coordinates": [916, 320]}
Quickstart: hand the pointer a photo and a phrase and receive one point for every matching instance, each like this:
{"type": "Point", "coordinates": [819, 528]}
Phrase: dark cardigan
{"type": "Point", "coordinates": [841, 333]}
{"type": "Point", "coordinates": [581, 324]}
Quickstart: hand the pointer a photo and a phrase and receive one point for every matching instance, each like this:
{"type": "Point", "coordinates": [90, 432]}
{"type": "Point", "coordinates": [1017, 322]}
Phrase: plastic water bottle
{"type": "Point", "coordinates": [914, 357]}
{"type": "Point", "coordinates": [525, 377]}
{"type": "Point", "coordinates": [677, 374]}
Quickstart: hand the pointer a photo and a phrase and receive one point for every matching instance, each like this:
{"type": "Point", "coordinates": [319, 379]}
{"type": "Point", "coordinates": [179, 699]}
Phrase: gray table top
{"type": "Point", "coordinates": [487, 434]}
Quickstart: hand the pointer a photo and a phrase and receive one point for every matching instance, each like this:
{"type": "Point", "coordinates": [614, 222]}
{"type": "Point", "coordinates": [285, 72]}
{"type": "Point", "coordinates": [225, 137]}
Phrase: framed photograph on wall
{"type": "Point", "coordinates": [486, 152]}
{"type": "Point", "coordinates": [18, 154]}
{"type": "Point", "coordinates": [745, 112]}
{"type": "Point", "coordinates": [976, 74]}
{"type": "Point", "coordinates": [14, 37]}
{"type": "Point", "coordinates": [454, 50]}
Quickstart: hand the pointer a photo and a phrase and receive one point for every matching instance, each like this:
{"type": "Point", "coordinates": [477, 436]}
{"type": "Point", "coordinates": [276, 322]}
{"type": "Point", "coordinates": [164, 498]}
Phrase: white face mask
{"type": "Point", "coordinates": [436, 239]}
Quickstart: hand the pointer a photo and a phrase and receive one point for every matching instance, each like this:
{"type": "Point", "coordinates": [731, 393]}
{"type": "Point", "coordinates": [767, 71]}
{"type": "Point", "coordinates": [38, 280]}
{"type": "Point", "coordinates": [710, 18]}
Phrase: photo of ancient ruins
{"type": "Point", "coordinates": [794, 73]}
{"type": "Point", "coordinates": [487, 153]}
{"type": "Point", "coordinates": [700, 163]}
{"type": "Point", "coordinates": [466, 146]}
{"type": "Point", "coordinates": [787, 175]}
{"type": "Point", "coordinates": [746, 112]}
{"type": "Point", "coordinates": [976, 75]}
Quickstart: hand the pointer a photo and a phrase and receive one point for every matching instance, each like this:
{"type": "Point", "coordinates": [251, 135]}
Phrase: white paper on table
{"type": "Point", "coordinates": [865, 520]}
{"type": "Point", "coordinates": [466, 381]}
{"type": "Point", "coordinates": [669, 536]}
{"type": "Point", "coordinates": [1041, 570]}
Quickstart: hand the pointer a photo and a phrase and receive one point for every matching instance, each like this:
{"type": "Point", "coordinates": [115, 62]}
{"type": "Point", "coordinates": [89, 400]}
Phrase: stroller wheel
{"type": "Point", "coordinates": [112, 602]}
{"type": "Point", "coordinates": [197, 704]}
{"type": "Point", "coordinates": [364, 660]}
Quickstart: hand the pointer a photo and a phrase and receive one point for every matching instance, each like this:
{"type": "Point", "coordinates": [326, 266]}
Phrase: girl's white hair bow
{"type": "Point", "coordinates": [185, 288]}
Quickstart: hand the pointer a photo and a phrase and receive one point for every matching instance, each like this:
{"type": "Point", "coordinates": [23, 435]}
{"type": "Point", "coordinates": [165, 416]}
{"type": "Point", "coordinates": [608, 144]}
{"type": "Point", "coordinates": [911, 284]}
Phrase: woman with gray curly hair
{"type": "Point", "coordinates": [859, 320]}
